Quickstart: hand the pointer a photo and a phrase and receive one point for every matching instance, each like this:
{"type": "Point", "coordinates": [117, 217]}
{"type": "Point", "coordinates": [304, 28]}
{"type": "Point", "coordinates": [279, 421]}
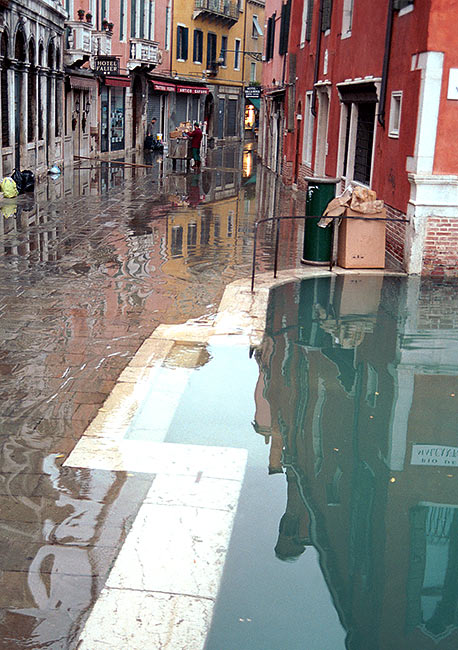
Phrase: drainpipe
{"type": "Point", "coordinates": [386, 63]}
{"type": "Point", "coordinates": [317, 59]}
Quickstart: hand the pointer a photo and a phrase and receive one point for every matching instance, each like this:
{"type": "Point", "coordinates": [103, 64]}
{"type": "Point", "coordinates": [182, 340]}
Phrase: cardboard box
{"type": "Point", "coordinates": [361, 242]}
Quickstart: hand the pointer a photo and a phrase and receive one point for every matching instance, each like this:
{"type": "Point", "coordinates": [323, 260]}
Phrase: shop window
{"type": "Point", "coordinates": [395, 114]}
{"type": "Point", "coordinates": [182, 43]}
{"type": "Point", "coordinates": [198, 46]}
{"type": "Point", "coordinates": [231, 126]}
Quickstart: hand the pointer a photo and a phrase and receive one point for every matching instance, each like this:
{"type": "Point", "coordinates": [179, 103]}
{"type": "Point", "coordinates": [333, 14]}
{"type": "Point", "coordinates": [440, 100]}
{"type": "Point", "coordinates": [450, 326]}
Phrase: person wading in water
{"type": "Point", "coordinates": [196, 139]}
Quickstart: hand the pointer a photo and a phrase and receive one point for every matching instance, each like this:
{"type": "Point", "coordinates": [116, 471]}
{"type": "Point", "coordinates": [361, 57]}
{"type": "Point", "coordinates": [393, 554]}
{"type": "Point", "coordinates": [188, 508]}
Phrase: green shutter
{"type": "Point", "coordinates": [326, 18]}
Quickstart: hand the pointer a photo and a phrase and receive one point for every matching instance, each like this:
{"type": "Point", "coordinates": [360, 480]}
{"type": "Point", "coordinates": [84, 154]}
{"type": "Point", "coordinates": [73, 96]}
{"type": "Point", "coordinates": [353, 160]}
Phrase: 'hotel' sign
{"type": "Point", "coordinates": [107, 65]}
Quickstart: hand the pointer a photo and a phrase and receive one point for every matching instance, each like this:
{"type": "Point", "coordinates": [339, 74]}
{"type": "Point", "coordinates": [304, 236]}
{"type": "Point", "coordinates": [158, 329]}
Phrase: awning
{"type": "Point", "coordinates": [163, 87]}
{"type": "Point", "coordinates": [193, 90]}
{"type": "Point", "coordinates": [82, 83]}
{"type": "Point", "coordinates": [257, 26]}
{"type": "Point", "coordinates": [256, 102]}
{"type": "Point", "coordinates": [124, 82]}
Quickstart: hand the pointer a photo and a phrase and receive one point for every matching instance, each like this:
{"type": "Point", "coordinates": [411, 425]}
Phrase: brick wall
{"type": "Point", "coordinates": [304, 171]}
{"type": "Point", "coordinates": [437, 305]}
{"type": "Point", "coordinates": [440, 257]}
{"type": "Point", "coordinates": [395, 234]}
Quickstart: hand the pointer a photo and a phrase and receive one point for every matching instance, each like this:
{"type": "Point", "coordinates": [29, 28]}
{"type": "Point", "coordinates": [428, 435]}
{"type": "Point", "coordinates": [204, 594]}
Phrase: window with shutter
{"type": "Point", "coordinates": [326, 17]}
{"type": "Point", "coordinates": [400, 4]}
{"type": "Point", "coordinates": [284, 27]}
{"type": "Point", "coordinates": [308, 29]}
{"type": "Point", "coordinates": [198, 46]}
{"type": "Point", "coordinates": [182, 43]}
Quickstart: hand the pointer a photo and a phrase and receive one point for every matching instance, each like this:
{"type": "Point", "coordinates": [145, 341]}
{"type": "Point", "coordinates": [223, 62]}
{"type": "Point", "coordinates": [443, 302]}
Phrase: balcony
{"type": "Point", "coordinates": [143, 52]}
{"type": "Point", "coordinates": [220, 11]}
{"type": "Point", "coordinates": [78, 43]}
{"type": "Point", "coordinates": [101, 43]}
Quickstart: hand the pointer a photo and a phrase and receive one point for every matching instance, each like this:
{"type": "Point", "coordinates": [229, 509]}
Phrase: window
{"type": "Point", "coordinates": [347, 18]}
{"type": "Point", "coordinates": [237, 54]}
{"type": "Point", "coordinates": [152, 13]}
{"type": "Point", "coordinates": [398, 5]}
{"type": "Point", "coordinates": [395, 114]}
{"type": "Point", "coordinates": [211, 50]}
{"type": "Point", "coordinates": [326, 16]}
{"type": "Point", "coordinates": [253, 71]}
{"type": "Point", "coordinates": [256, 29]}
{"type": "Point", "coordinates": [167, 28]}
{"type": "Point", "coordinates": [284, 27]}
{"type": "Point", "coordinates": [270, 40]}
{"type": "Point", "coordinates": [122, 18]}
{"type": "Point", "coordinates": [198, 46]}
{"type": "Point", "coordinates": [308, 129]}
{"type": "Point", "coordinates": [306, 30]}
{"type": "Point", "coordinates": [182, 43]}
{"type": "Point", "coordinates": [224, 51]}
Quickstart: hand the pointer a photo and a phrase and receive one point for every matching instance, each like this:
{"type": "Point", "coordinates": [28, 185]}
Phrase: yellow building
{"type": "Point", "coordinates": [209, 61]}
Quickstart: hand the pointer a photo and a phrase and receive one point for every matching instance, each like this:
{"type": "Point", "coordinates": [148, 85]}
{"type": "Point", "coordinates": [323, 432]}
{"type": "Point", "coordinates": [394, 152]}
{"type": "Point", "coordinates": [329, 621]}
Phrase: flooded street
{"type": "Point", "coordinates": [89, 267]}
{"type": "Point", "coordinates": [188, 465]}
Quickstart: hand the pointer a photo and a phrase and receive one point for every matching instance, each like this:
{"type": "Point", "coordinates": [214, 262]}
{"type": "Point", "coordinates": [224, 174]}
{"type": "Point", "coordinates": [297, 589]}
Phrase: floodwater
{"type": "Point", "coordinates": [89, 266]}
{"type": "Point", "coordinates": [346, 534]}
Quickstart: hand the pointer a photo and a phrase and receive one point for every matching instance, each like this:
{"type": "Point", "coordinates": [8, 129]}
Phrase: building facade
{"type": "Point", "coordinates": [370, 97]}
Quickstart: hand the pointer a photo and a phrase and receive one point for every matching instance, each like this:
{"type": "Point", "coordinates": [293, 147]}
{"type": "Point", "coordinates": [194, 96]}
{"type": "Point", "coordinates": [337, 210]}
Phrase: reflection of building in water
{"type": "Point", "coordinates": [359, 376]}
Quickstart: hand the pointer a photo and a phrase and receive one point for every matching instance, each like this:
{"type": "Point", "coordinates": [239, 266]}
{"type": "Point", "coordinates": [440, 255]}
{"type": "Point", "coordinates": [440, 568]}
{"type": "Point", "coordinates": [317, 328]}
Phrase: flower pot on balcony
{"type": "Point", "coordinates": [89, 18]}
{"type": "Point", "coordinates": [110, 27]}
{"type": "Point", "coordinates": [80, 13]}
{"type": "Point", "coordinates": [104, 23]}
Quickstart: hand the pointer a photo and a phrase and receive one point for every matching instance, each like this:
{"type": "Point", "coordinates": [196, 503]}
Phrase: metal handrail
{"type": "Point", "coordinates": [309, 216]}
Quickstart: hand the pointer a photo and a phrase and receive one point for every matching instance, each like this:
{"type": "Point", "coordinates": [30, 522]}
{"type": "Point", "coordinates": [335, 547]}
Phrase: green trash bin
{"type": "Point", "coordinates": [318, 241]}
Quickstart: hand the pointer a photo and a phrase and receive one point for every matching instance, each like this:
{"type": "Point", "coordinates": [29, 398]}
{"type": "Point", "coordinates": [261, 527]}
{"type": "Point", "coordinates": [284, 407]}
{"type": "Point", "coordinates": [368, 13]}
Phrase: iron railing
{"type": "Point", "coordinates": [277, 236]}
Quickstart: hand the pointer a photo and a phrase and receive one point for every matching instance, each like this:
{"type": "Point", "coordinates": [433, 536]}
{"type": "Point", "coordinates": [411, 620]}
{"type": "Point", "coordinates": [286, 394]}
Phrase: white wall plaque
{"type": "Point", "coordinates": [435, 455]}
{"type": "Point", "coordinates": [453, 84]}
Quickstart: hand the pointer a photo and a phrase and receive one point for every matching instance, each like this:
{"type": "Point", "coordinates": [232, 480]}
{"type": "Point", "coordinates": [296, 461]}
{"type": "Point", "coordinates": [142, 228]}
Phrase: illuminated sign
{"type": "Point", "coordinates": [107, 65]}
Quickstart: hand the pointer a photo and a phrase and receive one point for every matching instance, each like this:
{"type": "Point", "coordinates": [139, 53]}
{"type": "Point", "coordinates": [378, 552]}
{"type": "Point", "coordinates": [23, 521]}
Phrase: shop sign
{"type": "Point", "coordinates": [252, 92]}
{"type": "Point", "coordinates": [107, 65]}
{"type": "Point", "coordinates": [434, 455]}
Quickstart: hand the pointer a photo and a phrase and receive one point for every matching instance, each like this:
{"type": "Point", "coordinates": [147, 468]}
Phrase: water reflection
{"type": "Point", "coordinates": [357, 398]}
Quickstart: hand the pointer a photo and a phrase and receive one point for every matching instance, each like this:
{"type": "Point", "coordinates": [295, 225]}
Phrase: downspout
{"type": "Point", "coordinates": [171, 37]}
{"type": "Point", "coordinates": [386, 63]}
{"type": "Point", "coordinates": [317, 59]}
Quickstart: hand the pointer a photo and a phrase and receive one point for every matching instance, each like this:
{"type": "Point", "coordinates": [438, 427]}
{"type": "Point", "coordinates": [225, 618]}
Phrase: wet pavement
{"type": "Point", "coordinates": [90, 266]}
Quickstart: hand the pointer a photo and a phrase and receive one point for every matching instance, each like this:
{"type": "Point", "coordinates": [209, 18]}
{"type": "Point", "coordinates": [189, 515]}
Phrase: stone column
{"type": "Point", "coordinates": [23, 115]}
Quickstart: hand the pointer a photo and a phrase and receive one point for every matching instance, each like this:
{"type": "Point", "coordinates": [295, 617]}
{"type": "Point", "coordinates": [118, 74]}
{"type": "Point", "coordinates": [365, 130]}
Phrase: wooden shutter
{"type": "Point", "coordinates": [284, 27]}
{"type": "Point", "coordinates": [308, 27]}
{"type": "Point", "coordinates": [326, 18]}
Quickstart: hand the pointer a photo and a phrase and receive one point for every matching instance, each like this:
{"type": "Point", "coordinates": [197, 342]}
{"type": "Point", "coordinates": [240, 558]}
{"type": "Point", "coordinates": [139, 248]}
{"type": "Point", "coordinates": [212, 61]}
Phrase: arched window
{"type": "Point", "coordinates": [40, 105]}
{"type": "Point", "coordinates": [32, 94]}
{"type": "Point", "coordinates": [58, 97]}
{"type": "Point", "coordinates": [50, 56]}
{"type": "Point", "coordinates": [4, 90]}
{"type": "Point", "coordinates": [19, 49]}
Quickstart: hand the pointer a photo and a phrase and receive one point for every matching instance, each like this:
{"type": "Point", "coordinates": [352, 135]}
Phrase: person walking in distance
{"type": "Point", "coordinates": [196, 139]}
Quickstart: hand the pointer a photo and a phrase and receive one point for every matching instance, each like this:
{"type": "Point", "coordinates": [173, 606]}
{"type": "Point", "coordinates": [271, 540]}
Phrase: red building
{"type": "Point", "coordinates": [370, 94]}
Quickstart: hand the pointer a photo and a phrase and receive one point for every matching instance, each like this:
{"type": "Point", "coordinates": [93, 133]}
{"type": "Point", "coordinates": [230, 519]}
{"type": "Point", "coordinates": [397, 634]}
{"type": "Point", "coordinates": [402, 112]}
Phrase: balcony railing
{"type": "Point", "coordinates": [223, 10]}
{"type": "Point", "coordinates": [101, 43]}
{"type": "Point", "coordinates": [143, 52]}
{"type": "Point", "coordinates": [78, 46]}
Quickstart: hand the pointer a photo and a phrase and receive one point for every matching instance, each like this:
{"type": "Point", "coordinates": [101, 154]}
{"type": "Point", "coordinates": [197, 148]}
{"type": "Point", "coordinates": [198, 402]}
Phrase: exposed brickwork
{"type": "Point", "coordinates": [287, 172]}
{"type": "Point", "coordinates": [438, 305]}
{"type": "Point", "coordinates": [440, 256]}
{"type": "Point", "coordinates": [304, 171]}
{"type": "Point", "coordinates": [395, 234]}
